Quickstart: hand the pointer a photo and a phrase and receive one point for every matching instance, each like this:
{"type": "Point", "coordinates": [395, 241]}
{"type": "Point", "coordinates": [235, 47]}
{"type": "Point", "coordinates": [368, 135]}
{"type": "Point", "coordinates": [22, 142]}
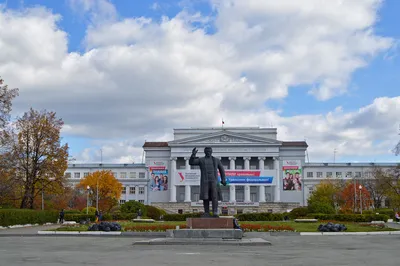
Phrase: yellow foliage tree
{"type": "Point", "coordinates": [109, 188]}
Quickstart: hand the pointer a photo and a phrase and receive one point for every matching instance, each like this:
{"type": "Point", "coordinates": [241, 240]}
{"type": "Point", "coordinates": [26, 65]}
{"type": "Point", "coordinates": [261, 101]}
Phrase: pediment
{"type": "Point", "coordinates": [225, 137]}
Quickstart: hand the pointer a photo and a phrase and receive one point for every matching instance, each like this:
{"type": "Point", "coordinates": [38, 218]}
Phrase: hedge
{"type": "Point", "coordinates": [79, 217]}
{"type": "Point", "coordinates": [299, 212]}
{"type": "Point", "coordinates": [180, 217]}
{"type": "Point", "coordinates": [358, 218]}
{"type": "Point", "coordinates": [154, 212]}
{"type": "Point", "coordinates": [22, 216]}
{"type": "Point", "coordinates": [262, 216]}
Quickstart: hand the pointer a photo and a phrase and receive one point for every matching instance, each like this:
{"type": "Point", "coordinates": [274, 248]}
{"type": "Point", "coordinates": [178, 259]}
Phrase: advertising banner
{"type": "Point", "coordinates": [158, 176]}
{"type": "Point", "coordinates": [192, 177]}
{"type": "Point", "coordinates": [228, 204]}
{"type": "Point", "coordinates": [292, 175]}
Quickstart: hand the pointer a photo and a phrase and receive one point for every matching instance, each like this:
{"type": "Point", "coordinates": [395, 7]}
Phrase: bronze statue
{"type": "Point", "coordinates": [209, 186]}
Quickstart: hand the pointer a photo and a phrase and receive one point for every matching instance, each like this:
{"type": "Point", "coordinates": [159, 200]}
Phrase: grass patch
{"type": "Point", "coordinates": [281, 226]}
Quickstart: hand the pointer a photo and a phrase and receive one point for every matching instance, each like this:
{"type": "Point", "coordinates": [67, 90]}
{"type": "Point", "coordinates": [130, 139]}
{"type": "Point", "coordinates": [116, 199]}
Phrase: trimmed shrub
{"type": "Point", "coordinates": [78, 217]}
{"type": "Point", "coordinates": [133, 206]}
{"type": "Point", "coordinates": [389, 212]}
{"type": "Point", "coordinates": [263, 216]}
{"type": "Point", "coordinates": [180, 217]}
{"type": "Point", "coordinates": [154, 212]}
{"type": "Point", "coordinates": [20, 216]}
{"type": "Point", "coordinates": [321, 207]}
{"type": "Point", "coordinates": [357, 218]}
{"type": "Point", "coordinates": [118, 216]}
{"type": "Point", "coordinates": [92, 210]}
{"type": "Point", "coordinates": [299, 212]}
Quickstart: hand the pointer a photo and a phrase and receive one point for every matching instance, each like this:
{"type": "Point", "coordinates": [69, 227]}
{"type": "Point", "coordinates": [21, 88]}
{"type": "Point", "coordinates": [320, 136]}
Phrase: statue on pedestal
{"type": "Point", "coordinates": [209, 186]}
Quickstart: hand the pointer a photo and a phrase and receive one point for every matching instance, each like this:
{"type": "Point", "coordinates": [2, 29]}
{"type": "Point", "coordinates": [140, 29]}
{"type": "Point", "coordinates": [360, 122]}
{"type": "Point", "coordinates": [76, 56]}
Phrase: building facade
{"type": "Point", "coordinates": [263, 173]}
{"type": "Point", "coordinates": [132, 176]}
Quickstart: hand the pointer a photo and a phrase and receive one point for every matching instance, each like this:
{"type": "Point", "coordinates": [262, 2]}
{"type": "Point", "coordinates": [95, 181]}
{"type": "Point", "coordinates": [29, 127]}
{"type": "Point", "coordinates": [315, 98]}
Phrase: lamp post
{"type": "Point", "coordinates": [87, 200]}
{"type": "Point", "coordinates": [360, 187]}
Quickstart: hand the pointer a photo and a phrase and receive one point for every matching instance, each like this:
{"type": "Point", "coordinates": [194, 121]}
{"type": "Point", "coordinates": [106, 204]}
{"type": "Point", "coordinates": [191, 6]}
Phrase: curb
{"type": "Point", "coordinates": [349, 233]}
{"type": "Point", "coordinates": [77, 233]}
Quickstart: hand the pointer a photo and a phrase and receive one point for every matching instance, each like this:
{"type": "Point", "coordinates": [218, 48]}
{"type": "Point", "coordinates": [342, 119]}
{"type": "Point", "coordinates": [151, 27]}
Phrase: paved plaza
{"type": "Point", "coordinates": [288, 250]}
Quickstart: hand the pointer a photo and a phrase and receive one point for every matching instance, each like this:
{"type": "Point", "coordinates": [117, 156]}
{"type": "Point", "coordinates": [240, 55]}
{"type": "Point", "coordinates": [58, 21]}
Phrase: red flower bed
{"type": "Point", "coordinates": [266, 228]}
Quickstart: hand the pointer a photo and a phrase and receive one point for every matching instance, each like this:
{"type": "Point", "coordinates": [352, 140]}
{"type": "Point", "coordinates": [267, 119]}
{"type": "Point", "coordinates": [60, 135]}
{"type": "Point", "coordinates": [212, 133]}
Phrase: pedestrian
{"type": "Point", "coordinates": [61, 216]}
{"type": "Point", "coordinates": [97, 215]}
{"type": "Point", "coordinates": [397, 216]}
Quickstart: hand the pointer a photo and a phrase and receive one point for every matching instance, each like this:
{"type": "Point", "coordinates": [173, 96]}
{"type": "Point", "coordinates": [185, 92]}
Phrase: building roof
{"type": "Point", "coordinates": [106, 165]}
{"type": "Point", "coordinates": [294, 144]}
{"type": "Point", "coordinates": [155, 144]}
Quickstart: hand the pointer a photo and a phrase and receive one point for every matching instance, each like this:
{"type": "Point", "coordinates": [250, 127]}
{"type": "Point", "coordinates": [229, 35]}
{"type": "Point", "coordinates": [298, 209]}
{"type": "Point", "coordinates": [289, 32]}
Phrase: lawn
{"type": "Point", "coordinates": [274, 226]}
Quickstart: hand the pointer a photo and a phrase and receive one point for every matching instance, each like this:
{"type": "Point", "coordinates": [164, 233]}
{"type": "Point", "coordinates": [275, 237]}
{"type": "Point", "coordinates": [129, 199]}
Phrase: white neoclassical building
{"type": "Point", "coordinates": [254, 160]}
{"type": "Point", "coordinates": [263, 173]}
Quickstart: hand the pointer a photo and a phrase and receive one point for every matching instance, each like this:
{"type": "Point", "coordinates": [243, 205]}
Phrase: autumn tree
{"type": "Point", "coordinates": [326, 197]}
{"type": "Point", "coordinates": [376, 186]}
{"type": "Point", "coordinates": [355, 198]}
{"type": "Point", "coordinates": [392, 185]}
{"type": "Point", "coordinates": [36, 154]}
{"type": "Point", "coordinates": [109, 188]}
{"type": "Point", "coordinates": [6, 97]}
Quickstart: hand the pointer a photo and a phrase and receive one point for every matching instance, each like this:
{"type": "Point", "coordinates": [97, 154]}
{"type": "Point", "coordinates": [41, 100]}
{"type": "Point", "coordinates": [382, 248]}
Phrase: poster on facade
{"type": "Point", "coordinates": [292, 175]}
{"type": "Point", "coordinates": [158, 172]}
{"type": "Point", "coordinates": [192, 177]}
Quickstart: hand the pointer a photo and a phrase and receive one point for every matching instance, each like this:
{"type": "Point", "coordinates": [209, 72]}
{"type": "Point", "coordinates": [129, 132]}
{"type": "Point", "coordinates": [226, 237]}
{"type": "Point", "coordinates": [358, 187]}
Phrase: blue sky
{"type": "Point", "coordinates": [378, 78]}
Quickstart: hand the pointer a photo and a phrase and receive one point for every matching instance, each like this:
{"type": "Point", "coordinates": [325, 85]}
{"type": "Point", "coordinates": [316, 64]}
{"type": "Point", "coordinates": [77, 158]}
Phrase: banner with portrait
{"type": "Point", "coordinates": [292, 175]}
{"type": "Point", "coordinates": [158, 172]}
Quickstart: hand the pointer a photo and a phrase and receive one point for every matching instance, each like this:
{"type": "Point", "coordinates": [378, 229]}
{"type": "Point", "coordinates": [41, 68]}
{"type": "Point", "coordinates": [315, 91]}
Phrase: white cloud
{"type": "Point", "coordinates": [139, 78]}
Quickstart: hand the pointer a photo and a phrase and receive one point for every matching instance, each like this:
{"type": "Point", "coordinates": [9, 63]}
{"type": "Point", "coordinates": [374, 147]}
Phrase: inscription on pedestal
{"type": "Point", "coordinates": [209, 223]}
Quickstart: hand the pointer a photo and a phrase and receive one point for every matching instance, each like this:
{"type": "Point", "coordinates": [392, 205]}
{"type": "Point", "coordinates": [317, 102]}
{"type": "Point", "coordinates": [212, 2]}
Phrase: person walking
{"type": "Point", "coordinates": [61, 216]}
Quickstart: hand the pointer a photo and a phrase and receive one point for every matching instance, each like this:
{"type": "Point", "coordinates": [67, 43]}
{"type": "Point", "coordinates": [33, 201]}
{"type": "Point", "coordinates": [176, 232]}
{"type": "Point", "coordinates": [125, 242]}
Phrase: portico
{"type": "Point", "coordinates": [252, 158]}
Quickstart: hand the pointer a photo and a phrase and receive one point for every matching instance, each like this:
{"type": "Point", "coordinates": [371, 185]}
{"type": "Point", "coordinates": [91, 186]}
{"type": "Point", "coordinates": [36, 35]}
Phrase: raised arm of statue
{"type": "Point", "coordinates": [193, 159]}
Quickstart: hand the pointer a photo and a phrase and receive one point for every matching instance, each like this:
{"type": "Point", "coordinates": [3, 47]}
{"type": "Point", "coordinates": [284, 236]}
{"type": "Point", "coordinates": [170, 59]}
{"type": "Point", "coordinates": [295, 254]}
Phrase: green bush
{"type": "Point", "coordinates": [91, 210]}
{"type": "Point", "coordinates": [389, 212]}
{"type": "Point", "coordinates": [123, 216]}
{"type": "Point", "coordinates": [262, 216]}
{"type": "Point", "coordinates": [298, 212]}
{"type": "Point", "coordinates": [357, 218]}
{"type": "Point", "coordinates": [77, 217]}
{"type": "Point", "coordinates": [180, 217]}
{"type": "Point", "coordinates": [321, 207]}
{"type": "Point", "coordinates": [20, 216]}
{"type": "Point", "coordinates": [74, 211]}
{"type": "Point", "coordinates": [154, 212]}
{"type": "Point", "coordinates": [133, 206]}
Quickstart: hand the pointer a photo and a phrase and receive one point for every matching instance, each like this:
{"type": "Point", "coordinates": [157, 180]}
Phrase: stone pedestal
{"type": "Point", "coordinates": [209, 223]}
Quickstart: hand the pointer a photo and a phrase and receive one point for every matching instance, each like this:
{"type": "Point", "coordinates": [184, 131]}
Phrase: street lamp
{"type": "Point", "coordinates": [360, 187]}
{"type": "Point", "coordinates": [87, 200]}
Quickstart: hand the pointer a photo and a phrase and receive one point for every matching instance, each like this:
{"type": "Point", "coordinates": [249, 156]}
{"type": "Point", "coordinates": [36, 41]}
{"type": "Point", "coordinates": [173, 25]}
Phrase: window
{"type": "Point", "coordinates": [141, 201]}
{"type": "Point", "coordinates": [368, 174]}
{"type": "Point", "coordinates": [357, 174]}
{"type": "Point", "coordinates": [224, 211]}
{"type": "Point", "coordinates": [239, 167]}
{"type": "Point", "coordinates": [132, 175]}
{"type": "Point", "coordinates": [311, 189]}
{"type": "Point", "coordinates": [122, 201]}
{"type": "Point", "coordinates": [225, 166]}
{"type": "Point", "coordinates": [329, 174]}
{"type": "Point", "coordinates": [85, 174]}
{"type": "Point", "coordinates": [115, 174]}
{"type": "Point", "coordinates": [182, 167]}
{"type": "Point", "coordinates": [77, 175]}
{"type": "Point", "coordinates": [253, 167]}
{"type": "Point", "coordinates": [132, 190]}
{"type": "Point", "coordinates": [123, 190]}
{"type": "Point", "coordinates": [338, 174]}
{"type": "Point", "coordinates": [196, 197]}
{"type": "Point", "coordinates": [180, 211]}
{"type": "Point", "coordinates": [349, 175]}
{"type": "Point", "coordinates": [68, 175]}
{"type": "Point", "coordinates": [195, 210]}
{"type": "Point", "coordinates": [122, 175]}
{"type": "Point", "coordinates": [141, 190]}
{"type": "Point", "coordinates": [319, 174]}
{"type": "Point", "coordinates": [310, 174]}
{"type": "Point", "coordinates": [253, 197]}
{"type": "Point", "coordinates": [239, 211]}
{"type": "Point", "coordinates": [142, 175]}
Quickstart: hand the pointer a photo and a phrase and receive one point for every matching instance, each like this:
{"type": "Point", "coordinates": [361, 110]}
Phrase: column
{"type": "Point", "coordinates": [145, 194]}
{"type": "Point", "coordinates": [188, 192]}
{"type": "Point", "coordinates": [246, 163]}
{"type": "Point", "coordinates": [172, 181]}
{"type": "Point", "coordinates": [232, 163]}
{"type": "Point", "coordinates": [278, 180]}
{"type": "Point", "coordinates": [247, 193]}
{"type": "Point", "coordinates": [261, 188]}
{"type": "Point", "coordinates": [232, 188]}
{"type": "Point", "coordinates": [127, 193]}
{"type": "Point", "coordinates": [232, 193]}
{"type": "Point", "coordinates": [137, 193]}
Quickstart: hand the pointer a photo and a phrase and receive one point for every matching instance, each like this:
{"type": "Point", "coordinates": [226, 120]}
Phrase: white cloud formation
{"type": "Point", "coordinates": [139, 78]}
